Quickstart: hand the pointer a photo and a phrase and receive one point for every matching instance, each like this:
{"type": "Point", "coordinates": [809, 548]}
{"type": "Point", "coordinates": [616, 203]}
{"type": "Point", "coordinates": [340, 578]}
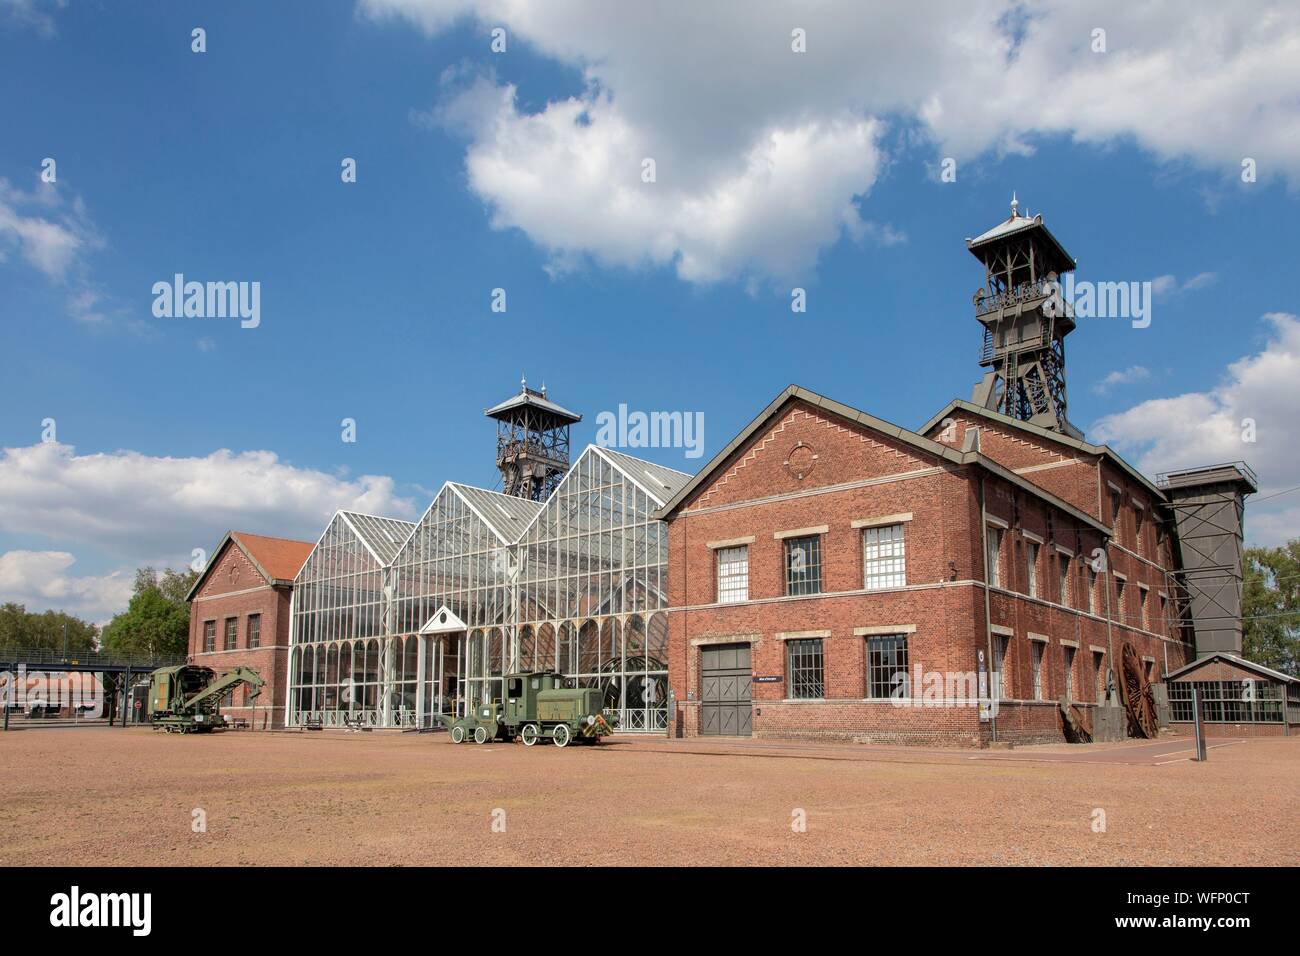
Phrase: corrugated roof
{"type": "Point", "coordinates": [530, 397]}
{"type": "Point", "coordinates": [507, 515]}
{"type": "Point", "coordinates": [661, 482]}
{"type": "Point", "coordinates": [1014, 224]}
{"type": "Point", "coordinates": [281, 558]}
{"type": "Point", "coordinates": [383, 536]}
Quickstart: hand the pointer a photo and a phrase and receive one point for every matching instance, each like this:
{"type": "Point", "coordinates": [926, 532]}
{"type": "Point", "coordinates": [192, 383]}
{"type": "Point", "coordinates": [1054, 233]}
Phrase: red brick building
{"type": "Point", "coordinates": [239, 615]}
{"type": "Point", "coordinates": [832, 574]}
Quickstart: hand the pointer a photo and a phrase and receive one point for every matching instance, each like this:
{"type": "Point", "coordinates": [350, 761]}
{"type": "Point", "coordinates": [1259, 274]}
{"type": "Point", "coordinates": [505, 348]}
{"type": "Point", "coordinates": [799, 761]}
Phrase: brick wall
{"type": "Point", "coordinates": [813, 471]}
{"type": "Point", "coordinates": [234, 588]}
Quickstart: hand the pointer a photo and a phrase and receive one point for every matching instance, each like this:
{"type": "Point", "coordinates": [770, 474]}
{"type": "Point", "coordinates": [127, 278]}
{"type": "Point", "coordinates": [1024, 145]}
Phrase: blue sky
{"type": "Point", "coordinates": [225, 165]}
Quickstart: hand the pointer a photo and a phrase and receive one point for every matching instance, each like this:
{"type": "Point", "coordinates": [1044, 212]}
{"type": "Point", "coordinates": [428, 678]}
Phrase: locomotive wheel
{"type": "Point", "coordinates": [480, 735]}
{"type": "Point", "coordinates": [457, 734]}
{"type": "Point", "coordinates": [560, 736]}
{"type": "Point", "coordinates": [528, 734]}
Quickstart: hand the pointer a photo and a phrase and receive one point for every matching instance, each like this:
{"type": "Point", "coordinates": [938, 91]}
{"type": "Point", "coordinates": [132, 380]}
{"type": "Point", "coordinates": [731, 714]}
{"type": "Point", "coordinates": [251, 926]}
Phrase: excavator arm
{"type": "Point", "coordinates": [224, 684]}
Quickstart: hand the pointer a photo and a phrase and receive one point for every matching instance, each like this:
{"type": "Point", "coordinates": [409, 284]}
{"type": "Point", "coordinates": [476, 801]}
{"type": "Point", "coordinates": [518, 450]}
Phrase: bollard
{"type": "Point", "coordinates": [1196, 723]}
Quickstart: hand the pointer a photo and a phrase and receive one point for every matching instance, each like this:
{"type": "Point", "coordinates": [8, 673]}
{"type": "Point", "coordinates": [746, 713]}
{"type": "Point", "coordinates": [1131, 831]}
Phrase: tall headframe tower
{"type": "Point", "coordinates": [1025, 320]}
{"type": "Point", "coordinates": [532, 442]}
{"type": "Point", "coordinates": [1208, 507]}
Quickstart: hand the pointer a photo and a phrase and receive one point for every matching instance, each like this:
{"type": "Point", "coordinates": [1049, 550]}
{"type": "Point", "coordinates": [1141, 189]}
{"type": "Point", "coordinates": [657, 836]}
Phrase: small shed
{"type": "Point", "coordinates": [1239, 698]}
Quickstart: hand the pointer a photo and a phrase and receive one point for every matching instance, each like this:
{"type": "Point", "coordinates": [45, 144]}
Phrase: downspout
{"type": "Point", "coordinates": [988, 614]}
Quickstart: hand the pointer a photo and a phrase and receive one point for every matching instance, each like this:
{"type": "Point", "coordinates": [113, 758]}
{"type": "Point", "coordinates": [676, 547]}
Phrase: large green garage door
{"type": "Point", "coordinates": [724, 700]}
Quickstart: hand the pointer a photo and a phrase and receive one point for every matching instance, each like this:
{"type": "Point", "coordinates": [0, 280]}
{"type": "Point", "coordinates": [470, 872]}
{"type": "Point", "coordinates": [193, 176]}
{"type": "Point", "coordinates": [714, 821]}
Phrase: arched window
{"type": "Point", "coordinates": [588, 648]}
{"type": "Point", "coordinates": [546, 647]}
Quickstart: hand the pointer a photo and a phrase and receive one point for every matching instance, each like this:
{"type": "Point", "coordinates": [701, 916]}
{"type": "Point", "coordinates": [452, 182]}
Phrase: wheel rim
{"type": "Point", "coordinates": [561, 735]}
{"type": "Point", "coordinates": [457, 734]}
{"type": "Point", "coordinates": [529, 735]}
{"type": "Point", "coordinates": [480, 735]}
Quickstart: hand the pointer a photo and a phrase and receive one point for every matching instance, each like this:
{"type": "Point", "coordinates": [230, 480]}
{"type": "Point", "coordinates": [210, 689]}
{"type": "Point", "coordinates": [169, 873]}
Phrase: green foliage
{"type": "Point", "coordinates": [157, 620]}
{"type": "Point", "coordinates": [1271, 595]}
{"type": "Point", "coordinates": [20, 628]}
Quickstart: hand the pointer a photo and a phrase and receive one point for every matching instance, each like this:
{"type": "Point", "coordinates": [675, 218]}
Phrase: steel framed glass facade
{"type": "Point", "coordinates": [576, 584]}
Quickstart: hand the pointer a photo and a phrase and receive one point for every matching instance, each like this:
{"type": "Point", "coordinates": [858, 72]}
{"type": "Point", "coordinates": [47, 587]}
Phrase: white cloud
{"type": "Point", "coordinates": [1127, 376]}
{"type": "Point", "coordinates": [146, 510]}
{"type": "Point", "coordinates": [51, 245]}
{"type": "Point", "coordinates": [1169, 284]}
{"type": "Point", "coordinates": [1204, 428]}
{"type": "Point", "coordinates": [53, 235]}
{"type": "Point", "coordinates": [764, 155]}
{"type": "Point", "coordinates": [33, 13]}
{"type": "Point", "coordinates": [39, 580]}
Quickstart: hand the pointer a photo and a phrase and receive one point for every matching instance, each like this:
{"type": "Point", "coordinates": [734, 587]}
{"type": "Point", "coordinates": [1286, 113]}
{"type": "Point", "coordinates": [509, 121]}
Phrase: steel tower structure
{"type": "Point", "coordinates": [1025, 319]}
{"type": "Point", "coordinates": [532, 442]}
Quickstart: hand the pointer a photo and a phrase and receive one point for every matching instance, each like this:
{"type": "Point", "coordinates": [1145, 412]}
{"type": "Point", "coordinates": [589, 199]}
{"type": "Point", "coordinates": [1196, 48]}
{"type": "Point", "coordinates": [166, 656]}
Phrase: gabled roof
{"type": "Point", "coordinates": [928, 446]}
{"type": "Point", "coordinates": [278, 560]}
{"type": "Point", "coordinates": [658, 481]}
{"type": "Point", "coordinates": [382, 537]}
{"type": "Point", "coordinates": [506, 515]}
{"type": "Point", "coordinates": [1079, 444]}
{"type": "Point", "coordinates": [1236, 661]}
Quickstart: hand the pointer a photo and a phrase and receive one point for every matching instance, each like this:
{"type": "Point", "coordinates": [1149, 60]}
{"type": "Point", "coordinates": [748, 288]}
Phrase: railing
{"type": "Point", "coordinates": [986, 302]}
{"type": "Point", "coordinates": [86, 660]}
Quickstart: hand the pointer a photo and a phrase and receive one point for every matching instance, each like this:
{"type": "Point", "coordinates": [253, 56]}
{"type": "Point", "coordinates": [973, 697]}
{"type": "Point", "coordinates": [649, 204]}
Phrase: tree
{"type": "Point", "coordinates": [1271, 607]}
{"type": "Point", "coordinates": [49, 631]}
{"type": "Point", "coordinates": [157, 619]}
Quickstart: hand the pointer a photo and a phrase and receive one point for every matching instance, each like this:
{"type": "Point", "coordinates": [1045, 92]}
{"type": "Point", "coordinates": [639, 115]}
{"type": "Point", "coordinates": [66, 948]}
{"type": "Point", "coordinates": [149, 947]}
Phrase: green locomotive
{"type": "Point", "coordinates": [537, 706]}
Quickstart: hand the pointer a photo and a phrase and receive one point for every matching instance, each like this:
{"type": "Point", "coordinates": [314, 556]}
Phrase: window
{"type": "Point", "coordinates": [1063, 577]}
{"type": "Point", "coordinates": [1068, 661]}
{"type": "Point", "coordinates": [209, 636]}
{"type": "Point", "coordinates": [804, 662]}
{"type": "Point", "coordinates": [1001, 679]}
{"type": "Point", "coordinates": [1031, 563]}
{"type": "Point", "coordinates": [733, 574]}
{"type": "Point", "coordinates": [1092, 591]}
{"type": "Point", "coordinates": [232, 630]}
{"type": "Point", "coordinates": [882, 557]}
{"type": "Point", "coordinates": [887, 667]}
{"type": "Point", "coordinates": [1099, 669]}
{"type": "Point", "coordinates": [1143, 594]}
{"type": "Point", "coordinates": [1115, 498]}
{"type": "Point", "coordinates": [1164, 612]}
{"type": "Point", "coordinates": [803, 565]}
{"type": "Point", "coordinates": [1036, 648]}
{"type": "Point", "coordinates": [1228, 701]}
{"type": "Point", "coordinates": [1119, 599]}
{"type": "Point", "coordinates": [1138, 514]}
{"type": "Point", "coordinates": [993, 558]}
{"type": "Point", "coordinates": [254, 630]}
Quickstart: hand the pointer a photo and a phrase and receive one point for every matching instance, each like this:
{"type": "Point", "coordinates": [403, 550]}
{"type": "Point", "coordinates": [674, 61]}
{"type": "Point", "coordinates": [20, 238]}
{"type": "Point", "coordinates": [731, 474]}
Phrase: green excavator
{"type": "Point", "coordinates": [187, 698]}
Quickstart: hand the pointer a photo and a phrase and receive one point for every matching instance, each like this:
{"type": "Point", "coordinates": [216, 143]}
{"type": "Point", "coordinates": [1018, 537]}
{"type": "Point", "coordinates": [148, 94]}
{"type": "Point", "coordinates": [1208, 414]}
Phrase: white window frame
{"type": "Point", "coordinates": [1032, 550]}
{"type": "Point", "coordinates": [732, 565]}
{"type": "Point", "coordinates": [993, 557]}
{"type": "Point", "coordinates": [887, 567]}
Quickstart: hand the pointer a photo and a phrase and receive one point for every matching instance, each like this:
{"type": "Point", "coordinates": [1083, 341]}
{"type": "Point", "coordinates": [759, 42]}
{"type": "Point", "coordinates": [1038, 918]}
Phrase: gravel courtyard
{"type": "Point", "coordinates": [130, 796]}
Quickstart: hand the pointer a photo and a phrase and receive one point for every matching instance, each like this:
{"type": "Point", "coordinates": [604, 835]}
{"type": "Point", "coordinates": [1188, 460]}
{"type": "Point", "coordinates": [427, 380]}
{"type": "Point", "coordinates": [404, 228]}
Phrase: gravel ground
{"type": "Point", "coordinates": [115, 796]}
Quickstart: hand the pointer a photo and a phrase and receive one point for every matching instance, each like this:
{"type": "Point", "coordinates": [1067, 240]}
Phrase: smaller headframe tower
{"type": "Point", "coordinates": [1025, 320]}
{"type": "Point", "coordinates": [1208, 506]}
{"type": "Point", "coordinates": [532, 442]}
